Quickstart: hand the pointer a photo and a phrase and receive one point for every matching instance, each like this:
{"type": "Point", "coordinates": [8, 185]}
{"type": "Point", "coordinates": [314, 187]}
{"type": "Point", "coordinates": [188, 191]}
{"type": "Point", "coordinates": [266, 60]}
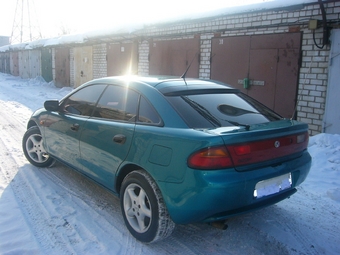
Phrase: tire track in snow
{"type": "Point", "coordinates": [89, 201]}
{"type": "Point", "coordinates": [12, 129]}
{"type": "Point", "coordinates": [39, 218]}
{"type": "Point", "coordinates": [312, 224]}
{"type": "Point", "coordinates": [288, 221]}
{"type": "Point", "coordinates": [32, 210]}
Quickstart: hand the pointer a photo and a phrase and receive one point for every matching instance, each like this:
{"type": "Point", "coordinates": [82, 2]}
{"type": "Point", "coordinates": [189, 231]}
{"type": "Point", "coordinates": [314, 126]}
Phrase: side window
{"type": "Point", "coordinates": [147, 114]}
{"type": "Point", "coordinates": [117, 103]}
{"type": "Point", "coordinates": [83, 101]}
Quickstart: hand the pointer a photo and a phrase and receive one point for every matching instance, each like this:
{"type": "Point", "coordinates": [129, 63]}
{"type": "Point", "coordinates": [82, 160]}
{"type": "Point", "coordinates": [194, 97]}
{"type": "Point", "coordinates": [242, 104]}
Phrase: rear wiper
{"type": "Point", "coordinates": [203, 111]}
{"type": "Point", "coordinates": [239, 124]}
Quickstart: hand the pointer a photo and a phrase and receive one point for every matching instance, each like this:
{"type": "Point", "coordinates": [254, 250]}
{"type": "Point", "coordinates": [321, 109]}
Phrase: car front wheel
{"type": "Point", "coordinates": [34, 150]}
{"type": "Point", "coordinates": [143, 208]}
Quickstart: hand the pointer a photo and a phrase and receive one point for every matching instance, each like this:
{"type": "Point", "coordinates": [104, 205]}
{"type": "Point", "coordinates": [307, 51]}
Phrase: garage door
{"type": "Point", "coordinates": [172, 57]}
{"type": "Point", "coordinates": [46, 64]}
{"type": "Point", "coordinates": [24, 64]}
{"type": "Point", "coordinates": [62, 67]}
{"type": "Point", "coordinates": [122, 59]}
{"type": "Point", "coordinates": [35, 63]}
{"type": "Point", "coordinates": [14, 62]}
{"type": "Point", "coordinates": [83, 69]}
{"type": "Point", "coordinates": [262, 66]}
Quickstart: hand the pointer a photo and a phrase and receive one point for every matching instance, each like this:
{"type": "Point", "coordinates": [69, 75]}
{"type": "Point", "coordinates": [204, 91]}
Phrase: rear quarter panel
{"type": "Point", "coordinates": [163, 151]}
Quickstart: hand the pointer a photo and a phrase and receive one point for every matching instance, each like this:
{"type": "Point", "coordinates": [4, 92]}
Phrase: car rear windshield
{"type": "Point", "coordinates": [221, 110]}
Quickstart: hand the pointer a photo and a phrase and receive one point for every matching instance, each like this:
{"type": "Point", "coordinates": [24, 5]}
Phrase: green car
{"type": "Point", "coordinates": [175, 150]}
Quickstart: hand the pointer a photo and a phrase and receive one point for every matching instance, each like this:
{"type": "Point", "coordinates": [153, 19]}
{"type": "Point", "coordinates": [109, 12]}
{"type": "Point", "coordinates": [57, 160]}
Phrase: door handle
{"type": "Point", "coordinates": [75, 127]}
{"type": "Point", "coordinates": [119, 139]}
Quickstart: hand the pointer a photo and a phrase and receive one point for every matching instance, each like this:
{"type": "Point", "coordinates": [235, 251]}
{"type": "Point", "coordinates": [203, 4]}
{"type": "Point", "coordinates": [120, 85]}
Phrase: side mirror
{"type": "Point", "coordinates": [51, 105]}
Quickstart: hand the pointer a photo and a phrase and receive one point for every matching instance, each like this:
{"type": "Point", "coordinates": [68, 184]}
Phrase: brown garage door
{"type": "Point", "coordinates": [269, 63]}
{"type": "Point", "coordinates": [122, 59]}
{"type": "Point", "coordinates": [172, 57]}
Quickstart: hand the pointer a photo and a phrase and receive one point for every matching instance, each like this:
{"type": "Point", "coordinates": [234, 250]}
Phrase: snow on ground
{"type": "Point", "coordinates": [58, 211]}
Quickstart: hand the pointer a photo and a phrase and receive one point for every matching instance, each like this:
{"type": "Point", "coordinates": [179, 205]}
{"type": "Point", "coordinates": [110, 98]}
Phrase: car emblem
{"type": "Point", "coordinates": [277, 144]}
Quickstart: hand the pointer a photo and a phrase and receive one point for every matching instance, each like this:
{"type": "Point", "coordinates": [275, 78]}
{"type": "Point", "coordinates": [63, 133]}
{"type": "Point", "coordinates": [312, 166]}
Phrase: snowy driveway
{"type": "Point", "coordinates": [58, 211]}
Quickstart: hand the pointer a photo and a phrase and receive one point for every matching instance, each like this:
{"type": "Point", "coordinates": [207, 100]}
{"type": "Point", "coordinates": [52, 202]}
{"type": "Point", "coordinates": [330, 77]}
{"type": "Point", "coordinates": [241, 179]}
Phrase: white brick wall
{"type": "Point", "coordinates": [72, 68]}
{"type": "Point", "coordinates": [143, 63]}
{"type": "Point", "coordinates": [99, 61]}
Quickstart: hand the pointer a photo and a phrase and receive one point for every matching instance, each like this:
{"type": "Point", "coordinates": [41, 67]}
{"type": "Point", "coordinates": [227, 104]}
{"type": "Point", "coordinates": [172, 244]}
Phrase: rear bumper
{"type": "Point", "coordinates": [206, 196]}
{"type": "Point", "coordinates": [251, 207]}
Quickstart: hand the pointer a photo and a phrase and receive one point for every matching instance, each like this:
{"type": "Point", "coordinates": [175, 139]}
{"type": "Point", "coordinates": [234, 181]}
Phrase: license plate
{"type": "Point", "coordinates": [273, 185]}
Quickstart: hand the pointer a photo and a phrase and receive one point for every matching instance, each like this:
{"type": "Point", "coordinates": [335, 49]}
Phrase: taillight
{"type": "Point", "coordinates": [248, 153]}
{"type": "Point", "coordinates": [242, 149]}
{"type": "Point", "coordinates": [210, 158]}
{"type": "Point", "coordinates": [260, 151]}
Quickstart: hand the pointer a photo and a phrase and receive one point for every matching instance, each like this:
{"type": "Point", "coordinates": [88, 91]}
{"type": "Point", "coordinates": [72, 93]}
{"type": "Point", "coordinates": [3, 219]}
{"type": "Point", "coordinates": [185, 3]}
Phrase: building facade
{"type": "Point", "coordinates": [279, 56]}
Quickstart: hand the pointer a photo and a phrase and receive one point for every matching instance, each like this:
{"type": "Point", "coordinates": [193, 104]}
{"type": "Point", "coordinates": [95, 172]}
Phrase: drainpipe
{"type": "Point", "coordinates": [325, 33]}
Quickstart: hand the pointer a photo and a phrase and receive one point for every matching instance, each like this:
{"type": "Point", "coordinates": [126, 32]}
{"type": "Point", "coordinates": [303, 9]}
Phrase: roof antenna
{"type": "Point", "coordinates": [185, 73]}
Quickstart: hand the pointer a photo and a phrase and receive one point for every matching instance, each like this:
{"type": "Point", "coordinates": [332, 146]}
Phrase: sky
{"type": "Point", "coordinates": [78, 16]}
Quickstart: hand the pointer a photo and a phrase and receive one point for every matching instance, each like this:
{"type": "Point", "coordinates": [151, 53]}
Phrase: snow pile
{"type": "Point", "coordinates": [324, 178]}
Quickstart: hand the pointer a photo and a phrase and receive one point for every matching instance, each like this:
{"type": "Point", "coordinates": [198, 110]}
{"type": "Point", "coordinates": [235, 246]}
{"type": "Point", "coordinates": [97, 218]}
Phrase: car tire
{"type": "Point", "coordinates": [32, 144]}
{"type": "Point", "coordinates": [143, 208]}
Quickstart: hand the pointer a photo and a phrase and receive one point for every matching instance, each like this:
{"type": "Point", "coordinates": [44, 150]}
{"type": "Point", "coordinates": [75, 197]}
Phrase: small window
{"type": "Point", "coordinates": [117, 103]}
{"type": "Point", "coordinates": [147, 114]}
{"type": "Point", "coordinates": [83, 101]}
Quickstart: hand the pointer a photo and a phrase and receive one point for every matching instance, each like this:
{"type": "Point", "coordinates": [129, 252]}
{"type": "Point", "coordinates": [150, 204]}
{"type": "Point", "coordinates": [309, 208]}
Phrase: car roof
{"type": "Point", "coordinates": [170, 85]}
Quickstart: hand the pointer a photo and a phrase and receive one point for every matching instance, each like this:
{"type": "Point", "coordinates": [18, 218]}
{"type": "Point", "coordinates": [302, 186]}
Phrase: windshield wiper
{"type": "Point", "coordinates": [203, 111]}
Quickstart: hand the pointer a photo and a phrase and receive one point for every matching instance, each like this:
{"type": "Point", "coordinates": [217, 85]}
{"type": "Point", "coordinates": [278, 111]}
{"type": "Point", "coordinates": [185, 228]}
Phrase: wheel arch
{"type": "Point", "coordinates": [123, 172]}
{"type": "Point", "coordinates": [31, 123]}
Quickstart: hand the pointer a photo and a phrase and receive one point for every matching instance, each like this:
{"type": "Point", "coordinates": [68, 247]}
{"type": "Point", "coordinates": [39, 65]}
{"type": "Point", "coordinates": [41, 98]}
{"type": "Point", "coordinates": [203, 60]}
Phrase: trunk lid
{"type": "Point", "coordinates": [264, 144]}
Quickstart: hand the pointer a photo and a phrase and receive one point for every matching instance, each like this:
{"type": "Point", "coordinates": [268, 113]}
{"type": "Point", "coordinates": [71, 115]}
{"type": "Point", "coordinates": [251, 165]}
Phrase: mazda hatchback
{"type": "Point", "coordinates": [175, 151]}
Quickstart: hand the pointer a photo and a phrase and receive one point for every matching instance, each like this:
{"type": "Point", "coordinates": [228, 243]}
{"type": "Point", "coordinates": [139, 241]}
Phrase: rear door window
{"type": "Point", "coordinates": [117, 103]}
{"type": "Point", "coordinates": [221, 110]}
